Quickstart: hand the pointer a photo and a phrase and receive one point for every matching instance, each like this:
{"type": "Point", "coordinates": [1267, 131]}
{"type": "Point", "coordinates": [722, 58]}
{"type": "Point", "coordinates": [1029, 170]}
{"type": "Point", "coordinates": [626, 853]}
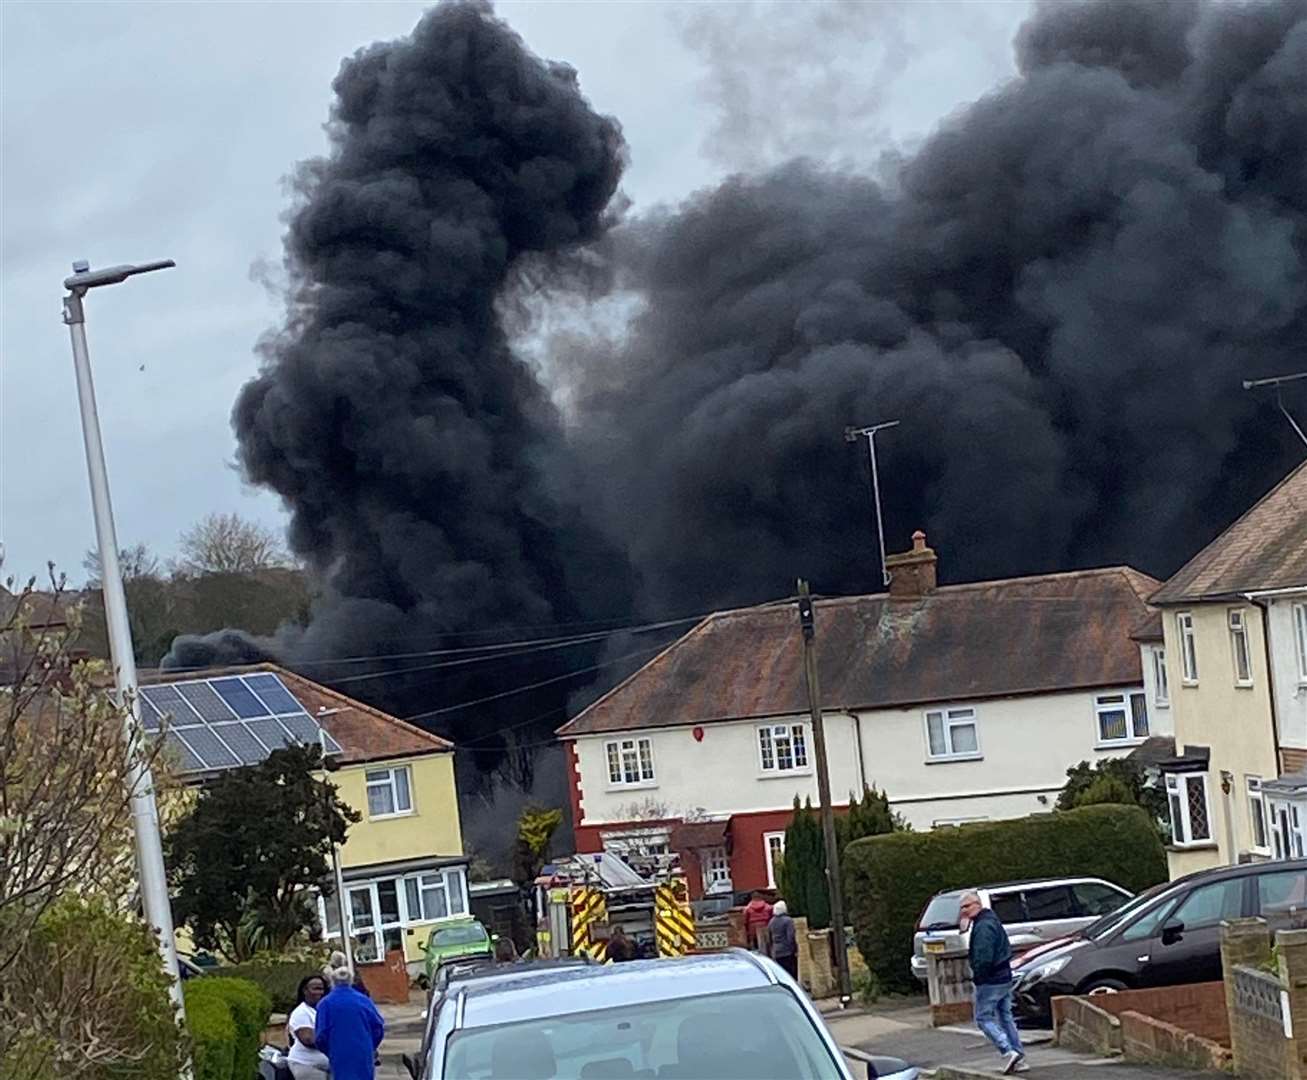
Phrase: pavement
{"type": "Point", "coordinates": [899, 1028]}
{"type": "Point", "coordinates": [902, 1029]}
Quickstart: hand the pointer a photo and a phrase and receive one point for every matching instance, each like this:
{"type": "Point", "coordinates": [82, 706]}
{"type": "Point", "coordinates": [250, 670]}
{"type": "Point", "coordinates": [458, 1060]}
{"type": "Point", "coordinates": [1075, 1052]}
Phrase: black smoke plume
{"type": "Point", "coordinates": [1057, 295]}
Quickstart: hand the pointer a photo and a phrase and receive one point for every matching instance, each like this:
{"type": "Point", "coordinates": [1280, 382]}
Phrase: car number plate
{"type": "Point", "coordinates": [934, 946]}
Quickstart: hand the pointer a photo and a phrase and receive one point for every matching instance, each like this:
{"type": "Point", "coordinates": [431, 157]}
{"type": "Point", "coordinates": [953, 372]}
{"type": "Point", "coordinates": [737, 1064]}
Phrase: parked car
{"type": "Point", "coordinates": [1168, 935]}
{"type": "Point", "coordinates": [1034, 912]}
{"type": "Point", "coordinates": [729, 1016]}
{"type": "Point", "coordinates": [457, 939]}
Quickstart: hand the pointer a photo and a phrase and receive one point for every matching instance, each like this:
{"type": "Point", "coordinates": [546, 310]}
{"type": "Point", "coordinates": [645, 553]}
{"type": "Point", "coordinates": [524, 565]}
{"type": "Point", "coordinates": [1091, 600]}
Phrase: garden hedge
{"type": "Point", "coordinates": [889, 879]}
{"type": "Point", "coordinates": [213, 1031]}
{"type": "Point", "coordinates": [279, 978]}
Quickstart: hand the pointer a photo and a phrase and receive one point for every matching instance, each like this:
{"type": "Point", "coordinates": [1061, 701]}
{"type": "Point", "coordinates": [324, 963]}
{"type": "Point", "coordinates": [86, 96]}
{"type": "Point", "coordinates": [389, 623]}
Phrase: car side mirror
{"type": "Point", "coordinates": [878, 1067]}
{"type": "Point", "coordinates": [411, 1064]}
{"type": "Point", "coordinates": [1172, 932]}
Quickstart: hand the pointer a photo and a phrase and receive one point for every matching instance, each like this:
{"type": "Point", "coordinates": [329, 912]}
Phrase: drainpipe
{"type": "Point", "coordinates": [857, 748]}
{"type": "Point", "coordinates": [1227, 786]}
{"type": "Point", "coordinates": [1264, 607]}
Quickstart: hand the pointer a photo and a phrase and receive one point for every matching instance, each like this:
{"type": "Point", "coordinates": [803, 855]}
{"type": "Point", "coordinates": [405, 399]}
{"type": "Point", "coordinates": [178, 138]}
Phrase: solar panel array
{"type": "Point", "coordinates": [230, 721]}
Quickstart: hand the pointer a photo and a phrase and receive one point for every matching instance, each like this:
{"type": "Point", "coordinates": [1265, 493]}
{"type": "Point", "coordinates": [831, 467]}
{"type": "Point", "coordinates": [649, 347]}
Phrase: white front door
{"type": "Point", "coordinates": [363, 927]}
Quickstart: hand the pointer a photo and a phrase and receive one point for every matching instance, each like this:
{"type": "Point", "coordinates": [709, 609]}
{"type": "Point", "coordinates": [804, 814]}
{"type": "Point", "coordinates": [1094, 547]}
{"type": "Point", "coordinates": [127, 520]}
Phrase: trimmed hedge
{"type": "Point", "coordinates": [226, 1017]}
{"type": "Point", "coordinates": [279, 979]}
{"type": "Point", "coordinates": [213, 1031]}
{"type": "Point", "coordinates": [890, 879]}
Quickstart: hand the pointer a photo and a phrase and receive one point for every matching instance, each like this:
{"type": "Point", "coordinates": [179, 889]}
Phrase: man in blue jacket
{"type": "Point", "coordinates": [348, 1029]}
{"type": "Point", "coordinates": [991, 972]}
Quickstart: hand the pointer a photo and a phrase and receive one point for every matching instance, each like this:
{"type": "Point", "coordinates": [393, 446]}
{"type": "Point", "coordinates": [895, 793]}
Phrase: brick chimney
{"type": "Point", "coordinates": [912, 573]}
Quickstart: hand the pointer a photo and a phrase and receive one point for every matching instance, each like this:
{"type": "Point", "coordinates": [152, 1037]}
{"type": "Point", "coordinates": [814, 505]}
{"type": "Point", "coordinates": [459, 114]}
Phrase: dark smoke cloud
{"type": "Point", "coordinates": [1057, 295]}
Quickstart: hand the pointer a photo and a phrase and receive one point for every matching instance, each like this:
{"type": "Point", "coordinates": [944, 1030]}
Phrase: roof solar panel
{"type": "Point", "coordinates": [201, 697]}
{"type": "Point", "coordinates": [151, 718]}
{"type": "Point", "coordinates": [208, 748]}
{"type": "Point", "coordinates": [270, 733]}
{"type": "Point", "coordinates": [181, 753]}
{"type": "Point", "coordinates": [274, 693]}
{"type": "Point", "coordinates": [306, 729]}
{"type": "Point", "coordinates": [169, 702]}
{"type": "Point", "coordinates": [241, 739]}
{"type": "Point", "coordinates": [236, 694]}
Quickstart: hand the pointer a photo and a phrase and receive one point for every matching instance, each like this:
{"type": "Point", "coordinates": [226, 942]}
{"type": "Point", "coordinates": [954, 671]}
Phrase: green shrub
{"type": "Point", "coordinates": [889, 879]}
{"type": "Point", "coordinates": [87, 976]}
{"type": "Point", "coordinates": [278, 977]}
{"type": "Point", "coordinates": [213, 1031]}
{"type": "Point", "coordinates": [250, 1007]}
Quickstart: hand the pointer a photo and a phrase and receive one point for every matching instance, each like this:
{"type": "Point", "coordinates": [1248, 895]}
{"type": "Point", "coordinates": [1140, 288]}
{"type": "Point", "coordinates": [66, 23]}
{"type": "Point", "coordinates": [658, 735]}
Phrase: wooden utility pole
{"type": "Point", "coordinates": [834, 883]}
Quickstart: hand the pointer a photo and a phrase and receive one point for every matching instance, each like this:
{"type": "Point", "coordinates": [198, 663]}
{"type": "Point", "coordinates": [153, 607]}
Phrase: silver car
{"type": "Point", "coordinates": [720, 1016]}
{"type": "Point", "coordinates": [1033, 912]}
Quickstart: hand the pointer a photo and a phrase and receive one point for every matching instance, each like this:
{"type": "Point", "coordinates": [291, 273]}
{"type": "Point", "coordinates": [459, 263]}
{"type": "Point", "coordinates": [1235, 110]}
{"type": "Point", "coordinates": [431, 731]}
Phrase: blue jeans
{"type": "Point", "coordinates": [993, 1006]}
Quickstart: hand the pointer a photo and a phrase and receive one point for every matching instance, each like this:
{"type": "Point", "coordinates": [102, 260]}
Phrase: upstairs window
{"type": "Point", "coordinates": [952, 734]}
{"type": "Point", "coordinates": [1243, 668]}
{"type": "Point", "coordinates": [630, 762]}
{"type": "Point", "coordinates": [1122, 717]}
{"type": "Point", "coordinates": [783, 748]}
{"type": "Point", "coordinates": [1186, 797]}
{"type": "Point", "coordinates": [1300, 638]}
{"type": "Point", "coordinates": [389, 792]}
{"type": "Point", "coordinates": [1184, 625]}
{"type": "Point", "coordinates": [1159, 677]}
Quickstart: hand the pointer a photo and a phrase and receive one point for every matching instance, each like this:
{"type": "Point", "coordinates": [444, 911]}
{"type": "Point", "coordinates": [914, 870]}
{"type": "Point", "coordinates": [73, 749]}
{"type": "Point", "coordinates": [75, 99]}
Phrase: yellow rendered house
{"type": "Point", "coordinates": [403, 865]}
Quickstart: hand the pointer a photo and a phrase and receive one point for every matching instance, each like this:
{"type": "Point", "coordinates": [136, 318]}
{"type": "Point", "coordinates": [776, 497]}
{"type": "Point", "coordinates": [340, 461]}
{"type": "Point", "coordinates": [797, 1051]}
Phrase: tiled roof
{"type": "Point", "coordinates": [988, 639]}
{"type": "Point", "coordinates": [1265, 549]}
{"type": "Point", "coordinates": [364, 733]}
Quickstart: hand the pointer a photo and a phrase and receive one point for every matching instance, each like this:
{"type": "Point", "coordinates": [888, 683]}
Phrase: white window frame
{"type": "Point", "coordinates": [1237, 621]}
{"type": "Point", "coordinates": [1177, 788]}
{"type": "Point", "coordinates": [374, 778]}
{"type": "Point", "coordinates": [633, 771]}
{"type": "Point", "coordinates": [1299, 613]}
{"type": "Point", "coordinates": [793, 737]}
{"type": "Point", "coordinates": [1120, 701]}
{"type": "Point", "coordinates": [1257, 811]}
{"type": "Point", "coordinates": [953, 716]}
{"type": "Point", "coordinates": [1161, 684]}
{"type": "Point", "coordinates": [773, 844]}
{"type": "Point", "coordinates": [1287, 828]}
{"type": "Point", "coordinates": [716, 866]}
{"type": "Point", "coordinates": [1184, 627]}
{"type": "Point", "coordinates": [453, 880]}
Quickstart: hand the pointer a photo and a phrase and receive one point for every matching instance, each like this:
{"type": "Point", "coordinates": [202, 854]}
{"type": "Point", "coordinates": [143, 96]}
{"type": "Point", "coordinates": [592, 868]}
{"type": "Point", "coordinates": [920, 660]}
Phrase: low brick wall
{"type": "Point", "coordinates": [1079, 1024]}
{"type": "Point", "coordinates": [1259, 1043]}
{"type": "Point", "coordinates": [1155, 1042]}
{"type": "Point", "coordinates": [1198, 1008]}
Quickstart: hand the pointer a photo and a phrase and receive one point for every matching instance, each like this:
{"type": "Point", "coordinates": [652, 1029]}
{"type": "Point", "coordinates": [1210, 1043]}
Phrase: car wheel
{"type": "Point", "coordinates": [1103, 986]}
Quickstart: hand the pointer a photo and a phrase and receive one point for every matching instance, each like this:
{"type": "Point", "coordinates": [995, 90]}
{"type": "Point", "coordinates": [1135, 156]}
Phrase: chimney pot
{"type": "Point", "coordinates": [912, 573]}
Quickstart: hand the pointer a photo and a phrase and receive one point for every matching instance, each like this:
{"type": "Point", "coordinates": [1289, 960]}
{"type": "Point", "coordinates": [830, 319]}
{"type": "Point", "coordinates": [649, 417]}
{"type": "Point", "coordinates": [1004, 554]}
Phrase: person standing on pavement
{"type": "Point", "coordinates": [991, 974]}
{"type": "Point", "coordinates": [757, 914]}
{"type": "Point", "coordinates": [348, 1029]}
{"type": "Point", "coordinates": [782, 939]}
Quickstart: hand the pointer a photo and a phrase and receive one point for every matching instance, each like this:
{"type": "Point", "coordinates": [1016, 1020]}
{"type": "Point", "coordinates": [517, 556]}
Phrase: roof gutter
{"type": "Point", "coordinates": [1288, 590]}
{"type": "Point", "coordinates": [1270, 667]}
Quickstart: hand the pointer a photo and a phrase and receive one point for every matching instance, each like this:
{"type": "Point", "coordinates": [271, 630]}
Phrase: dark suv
{"type": "Point", "coordinates": [1170, 934]}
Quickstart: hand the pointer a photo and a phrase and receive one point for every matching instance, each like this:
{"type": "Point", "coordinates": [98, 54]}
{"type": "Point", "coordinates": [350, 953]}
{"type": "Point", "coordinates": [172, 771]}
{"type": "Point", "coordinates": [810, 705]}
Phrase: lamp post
{"type": "Point", "coordinates": [342, 908]}
{"type": "Point", "coordinates": [145, 812]}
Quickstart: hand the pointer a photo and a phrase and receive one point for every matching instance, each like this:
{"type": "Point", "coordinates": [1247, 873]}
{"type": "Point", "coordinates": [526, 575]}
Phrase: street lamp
{"type": "Point", "coordinates": [145, 813]}
{"type": "Point", "coordinates": [852, 434]}
{"type": "Point", "coordinates": [342, 908]}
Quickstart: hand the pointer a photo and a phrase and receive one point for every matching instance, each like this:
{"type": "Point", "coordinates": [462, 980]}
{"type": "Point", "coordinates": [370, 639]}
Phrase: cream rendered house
{"type": "Point", "coordinates": [1234, 621]}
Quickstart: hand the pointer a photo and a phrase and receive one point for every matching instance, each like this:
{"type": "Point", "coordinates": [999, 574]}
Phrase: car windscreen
{"type": "Point", "coordinates": [459, 935]}
{"type": "Point", "coordinates": [942, 913]}
{"type": "Point", "coordinates": [1114, 920]}
{"type": "Point", "coordinates": [744, 1035]}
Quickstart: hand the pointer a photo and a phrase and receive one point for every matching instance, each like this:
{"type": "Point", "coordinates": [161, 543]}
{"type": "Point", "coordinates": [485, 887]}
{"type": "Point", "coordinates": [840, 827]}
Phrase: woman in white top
{"type": "Point", "coordinates": [306, 1061]}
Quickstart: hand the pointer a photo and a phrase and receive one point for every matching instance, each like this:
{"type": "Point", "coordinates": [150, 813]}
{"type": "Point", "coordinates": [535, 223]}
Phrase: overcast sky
{"type": "Point", "coordinates": [144, 131]}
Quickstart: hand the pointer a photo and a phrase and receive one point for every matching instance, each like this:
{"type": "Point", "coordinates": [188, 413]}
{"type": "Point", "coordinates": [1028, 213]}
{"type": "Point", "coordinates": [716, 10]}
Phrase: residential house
{"type": "Point", "coordinates": [962, 702]}
{"type": "Point", "coordinates": [403, 864]}
{"type": "Point", "coordinates": [1235, 629]}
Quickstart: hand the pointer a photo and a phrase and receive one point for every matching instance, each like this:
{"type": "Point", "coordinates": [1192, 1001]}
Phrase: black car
{"type": "Point", "coordinates": [1168, 935]}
